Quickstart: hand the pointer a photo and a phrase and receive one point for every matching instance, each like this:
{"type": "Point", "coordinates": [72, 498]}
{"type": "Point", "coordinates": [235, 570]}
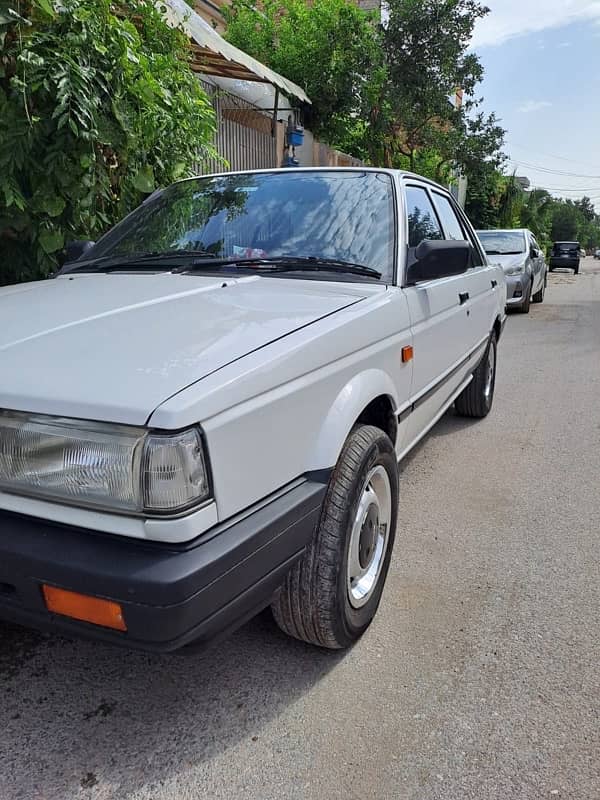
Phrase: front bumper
{"type": "Point", "coordinates": [170, 595]}
{"type": "Point", "coordinates": [515, 288]}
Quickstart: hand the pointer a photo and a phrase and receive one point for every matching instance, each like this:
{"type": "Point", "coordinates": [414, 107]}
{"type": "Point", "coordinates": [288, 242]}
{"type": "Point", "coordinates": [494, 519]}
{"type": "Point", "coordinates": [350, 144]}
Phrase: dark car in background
{"type": "Point", "coordinates": [565, 254]}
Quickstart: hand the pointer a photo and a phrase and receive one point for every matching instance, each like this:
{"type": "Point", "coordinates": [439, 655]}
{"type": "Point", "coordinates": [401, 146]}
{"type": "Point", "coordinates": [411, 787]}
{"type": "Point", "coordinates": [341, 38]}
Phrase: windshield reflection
{"type": "Point", "coordinates": [340, 215]}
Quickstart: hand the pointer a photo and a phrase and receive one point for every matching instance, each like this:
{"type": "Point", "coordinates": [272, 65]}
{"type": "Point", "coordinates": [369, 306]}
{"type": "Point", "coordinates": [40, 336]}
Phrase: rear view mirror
{"type": "Point", "coordinates": [76, 249]}
{"type": "Point", "coordinates": [438, 259]}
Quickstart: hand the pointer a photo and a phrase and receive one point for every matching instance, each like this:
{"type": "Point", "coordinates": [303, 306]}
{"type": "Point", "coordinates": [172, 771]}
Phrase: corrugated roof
{"type": "Point", "coordinates": [212, 55]}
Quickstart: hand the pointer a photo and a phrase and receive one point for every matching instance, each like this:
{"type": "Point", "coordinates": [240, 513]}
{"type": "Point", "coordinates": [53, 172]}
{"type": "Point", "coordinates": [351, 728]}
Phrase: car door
{"type": "Point", "coordinates": [438, 315]}
{"type": "Point", "coordinates": [481, 279]}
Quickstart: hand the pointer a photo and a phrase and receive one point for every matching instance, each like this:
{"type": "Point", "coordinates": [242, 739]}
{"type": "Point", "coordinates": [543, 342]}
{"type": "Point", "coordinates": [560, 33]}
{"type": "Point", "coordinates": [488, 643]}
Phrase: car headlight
{"type": "Point", "coordinates": [515, 270]}
{"type": "Point", "coordinates": [115, 467]}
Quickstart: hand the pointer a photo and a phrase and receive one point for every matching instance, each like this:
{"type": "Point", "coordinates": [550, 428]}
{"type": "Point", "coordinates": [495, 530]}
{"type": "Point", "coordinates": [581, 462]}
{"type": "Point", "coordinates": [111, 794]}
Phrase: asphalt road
{"type": "Point", "coordinates": [479, 679]}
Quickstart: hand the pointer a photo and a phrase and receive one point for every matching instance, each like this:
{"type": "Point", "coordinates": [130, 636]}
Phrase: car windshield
{"type": "Point", "coordinates": [502, 242]}
{"type": "Point", "coordinates": [347, 216]}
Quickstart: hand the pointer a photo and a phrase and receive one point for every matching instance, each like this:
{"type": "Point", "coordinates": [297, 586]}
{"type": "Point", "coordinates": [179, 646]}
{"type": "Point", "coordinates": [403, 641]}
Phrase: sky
{"type": "Point", "coordinates": [542, 79]}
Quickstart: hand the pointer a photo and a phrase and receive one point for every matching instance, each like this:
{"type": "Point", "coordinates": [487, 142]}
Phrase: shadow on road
{"type": "Point", "coordinates": [450, 424]}
{"type": "Point", "coordinates": [75, 713]}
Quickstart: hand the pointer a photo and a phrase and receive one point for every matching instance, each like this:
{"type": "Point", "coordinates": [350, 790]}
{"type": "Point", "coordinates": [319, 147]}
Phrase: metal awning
{"type": "Point", "coordinates": [212, 55]}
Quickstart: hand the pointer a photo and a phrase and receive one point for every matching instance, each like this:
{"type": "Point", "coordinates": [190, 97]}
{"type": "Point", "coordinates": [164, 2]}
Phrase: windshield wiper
{"type": "Point", "coordinates": [503, 252]}
{"type": "Point", "coordinates": [195, 260]}
{"type": "Point", "coordinates": [154, 259]}
{"type": "Point", "coordinates": [287, 264]}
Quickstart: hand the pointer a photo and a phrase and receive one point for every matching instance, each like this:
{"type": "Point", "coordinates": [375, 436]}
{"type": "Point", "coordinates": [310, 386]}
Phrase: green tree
{"type": "Point", "coordinates": [511, 203]}
{"type": "Point", "coordinates": [97, 108]}
{"type": "Point", "coordinates": [484, 194]}
{"type": "Point", "coordinates": [329, 47]}
{"type": "Point", "coordinates": [565, 221]}
{"type": "Point", "coordinates": [536, 214]}
{"type": "Point", "coordinates": [426, 46]}
{"type": "Point", "coordinates": [586, 208]}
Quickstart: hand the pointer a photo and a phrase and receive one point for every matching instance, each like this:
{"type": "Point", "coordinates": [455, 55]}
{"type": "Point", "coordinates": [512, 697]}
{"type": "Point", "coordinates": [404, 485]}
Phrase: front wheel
{"type": "Point", "coordinates": [331, 595]}
{"type": "Point", "coordinates": [476, 399]}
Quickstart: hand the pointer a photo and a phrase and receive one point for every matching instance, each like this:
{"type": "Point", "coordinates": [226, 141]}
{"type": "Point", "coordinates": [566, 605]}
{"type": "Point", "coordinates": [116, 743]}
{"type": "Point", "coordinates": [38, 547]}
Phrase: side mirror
{"type": "Point", "coordinates": [438, 259]}
{"type": "Point", "coordinates": [76, 249]}
{"type": "Point", "coordinates": [534, 253]}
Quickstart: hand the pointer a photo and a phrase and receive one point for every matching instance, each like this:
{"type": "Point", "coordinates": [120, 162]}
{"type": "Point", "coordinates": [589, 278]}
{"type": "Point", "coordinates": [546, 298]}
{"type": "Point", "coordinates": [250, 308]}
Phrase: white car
{"type": "Point", "coordinates": [203, 415]}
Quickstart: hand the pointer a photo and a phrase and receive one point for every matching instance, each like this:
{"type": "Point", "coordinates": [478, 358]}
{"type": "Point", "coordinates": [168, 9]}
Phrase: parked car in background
{"type": "Point", "coordinates": [597, 254]}
{"type": "Point", "coordinates": [524, 265]}
{"type": "Point", "coordinates": [582, 253]}
{"type": "Point", "coordinates": [205, 414]}
{"type": "Point", "coordinates": [565, 254]}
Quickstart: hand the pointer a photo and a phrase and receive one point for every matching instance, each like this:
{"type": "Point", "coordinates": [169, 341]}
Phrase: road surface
{"type": "Point", "coordinates": [479, 679]}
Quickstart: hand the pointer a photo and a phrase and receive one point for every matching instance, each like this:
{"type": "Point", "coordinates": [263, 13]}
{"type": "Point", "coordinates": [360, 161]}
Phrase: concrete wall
{"type": "Point", "coordinates": [313, 153]}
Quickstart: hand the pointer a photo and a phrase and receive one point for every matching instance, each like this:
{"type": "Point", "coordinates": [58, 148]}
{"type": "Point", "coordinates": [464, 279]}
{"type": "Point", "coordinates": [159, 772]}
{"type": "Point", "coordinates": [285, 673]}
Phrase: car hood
{"type": "Point", "coordinates": [115, 346]}
{"type": "Point", "coordinates": [509, 261]}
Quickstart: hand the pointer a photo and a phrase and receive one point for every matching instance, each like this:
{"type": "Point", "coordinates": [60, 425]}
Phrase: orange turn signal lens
{"type": "Point", "coordinates": [106, 613]}
{"type": "Point", "coordinates": [407, 353]}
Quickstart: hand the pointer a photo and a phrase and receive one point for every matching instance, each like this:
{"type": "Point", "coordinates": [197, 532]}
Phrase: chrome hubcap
{"type": "Point", "coordinates": [369, 537]}
{"type": "Point", "coordinates": [489, 372]}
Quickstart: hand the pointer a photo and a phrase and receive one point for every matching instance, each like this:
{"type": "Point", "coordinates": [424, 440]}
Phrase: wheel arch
{"type": "Point", "coordinates": [369, 398]}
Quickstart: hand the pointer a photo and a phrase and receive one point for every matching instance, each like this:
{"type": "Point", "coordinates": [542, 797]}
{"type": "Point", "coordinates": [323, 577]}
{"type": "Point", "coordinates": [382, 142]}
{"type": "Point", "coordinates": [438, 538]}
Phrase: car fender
{"type": "Point", "coordinates": [344, 412]}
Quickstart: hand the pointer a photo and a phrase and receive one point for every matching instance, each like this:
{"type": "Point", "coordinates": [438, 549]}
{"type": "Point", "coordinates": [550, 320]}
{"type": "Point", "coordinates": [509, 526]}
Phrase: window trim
{"type": "Point", "coordinates": [425, 188]}
{"type": "Point", "coordinates": [473, 238]}
{"type": "Point", "coordinates": [411, 183]}
{"type": "Point", "coordinates": [447, 196]}
{"type": "Point", "coordinates": [468, 229]}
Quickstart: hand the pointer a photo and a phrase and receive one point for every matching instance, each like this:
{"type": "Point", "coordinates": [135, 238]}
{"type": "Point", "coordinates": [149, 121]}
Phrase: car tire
{"type": "Point", "coordinates": [576, 271]}
{"type": "Point", "coordinates": [538, 297]}
{"type": "Point", "coordinates": [321, 602]}
{"type": "Point", "coordinates": [524, 307]}
{"type": "Point", "coordinates": [476, 399]}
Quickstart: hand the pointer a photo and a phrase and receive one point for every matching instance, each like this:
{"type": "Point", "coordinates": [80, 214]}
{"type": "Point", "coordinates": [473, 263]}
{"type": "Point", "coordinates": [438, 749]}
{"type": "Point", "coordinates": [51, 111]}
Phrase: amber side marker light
{"type": "Point", "coordinates": [407, 353]}
{"type": "Point", "coordinates": [106, 613]}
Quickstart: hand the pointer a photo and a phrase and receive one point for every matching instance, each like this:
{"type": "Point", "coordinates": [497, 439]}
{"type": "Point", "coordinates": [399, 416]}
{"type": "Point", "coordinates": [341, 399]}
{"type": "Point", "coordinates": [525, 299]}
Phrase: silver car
{"type": "Point", "coordinates": [523, 262]}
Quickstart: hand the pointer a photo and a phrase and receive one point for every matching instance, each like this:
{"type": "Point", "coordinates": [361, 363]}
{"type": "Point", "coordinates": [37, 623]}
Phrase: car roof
{"type": "Point", "coordinates": [503, 230]}
{"type": "Point", "coordinates": [402, 174]}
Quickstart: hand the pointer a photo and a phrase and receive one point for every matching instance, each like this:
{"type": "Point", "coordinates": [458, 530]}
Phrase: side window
{"type": "Point", "coordinates": [422, 220]}
{"type": "Point", "coordinates": [455, 227]}
{"type": "Point", "coordinates": [450, 221]}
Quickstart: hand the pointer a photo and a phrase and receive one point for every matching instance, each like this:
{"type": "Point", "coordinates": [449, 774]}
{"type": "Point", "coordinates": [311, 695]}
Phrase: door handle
{"type": "Point", "coordinates": [494, 284]}
{"type": "Point", "coordinates": [463, 297]}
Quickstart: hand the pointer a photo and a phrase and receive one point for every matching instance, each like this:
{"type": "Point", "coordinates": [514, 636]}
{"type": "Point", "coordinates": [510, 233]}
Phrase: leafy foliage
{"type": "Point", "coordinates": [427, 60]}
{"type": "Point", "coordinates": [98, 106]}
{"type": "Point", "coordinates": [495, 200]}
{"type": "Point", "coordinates": [329, 47]}
{"type": "Point", "coordinates": [381, 93]}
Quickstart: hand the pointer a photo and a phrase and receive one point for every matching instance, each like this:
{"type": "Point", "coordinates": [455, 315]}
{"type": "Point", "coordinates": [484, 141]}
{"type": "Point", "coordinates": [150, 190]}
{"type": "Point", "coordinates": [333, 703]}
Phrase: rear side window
{"type": "Point", "coordinates": [453, 227]}
{"type": "Point", "coordinates": [450, 223]}
{"type": "Point", "coordinates": [422, 220]}
{"type": "Point", "coordinates": [566, 247]}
